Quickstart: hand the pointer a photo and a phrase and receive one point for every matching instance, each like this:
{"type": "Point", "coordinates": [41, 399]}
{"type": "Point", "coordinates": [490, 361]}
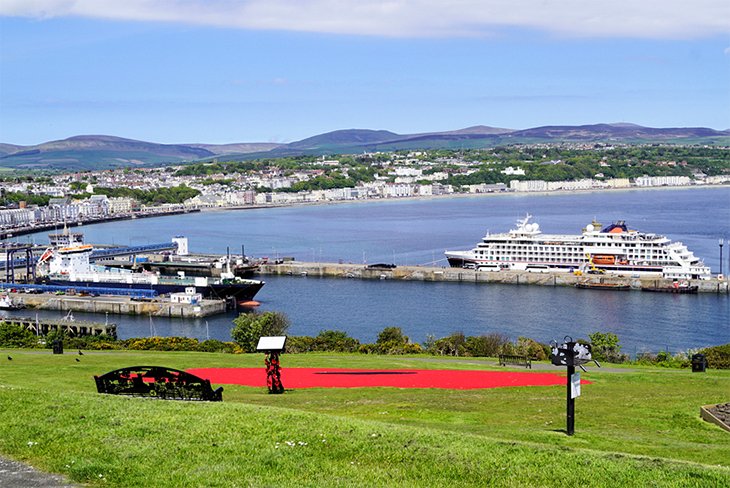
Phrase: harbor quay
{"type": "Point", "coordinates": [67, 325]}
{"type": "Point", "coordinates": [121, 305]}
{"type": "Point", "coordinates": [465, 275]}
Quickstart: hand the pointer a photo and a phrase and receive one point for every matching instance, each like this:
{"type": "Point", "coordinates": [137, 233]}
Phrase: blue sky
{"type": "Point", "coordinates": [222, 71]}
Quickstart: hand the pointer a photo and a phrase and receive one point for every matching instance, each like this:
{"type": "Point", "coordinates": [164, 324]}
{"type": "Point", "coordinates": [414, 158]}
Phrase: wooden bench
{"type": "Point", "coordinates": [505, 359]}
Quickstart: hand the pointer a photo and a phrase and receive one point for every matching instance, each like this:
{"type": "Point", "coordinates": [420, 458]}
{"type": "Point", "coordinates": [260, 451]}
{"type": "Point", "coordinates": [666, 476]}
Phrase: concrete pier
{"type": "Point", "coordinates": [461, 275]}
{"type": "Point", "coordinates": [120, 305]}
{"type": "Point", "coordinates": [70, 327]}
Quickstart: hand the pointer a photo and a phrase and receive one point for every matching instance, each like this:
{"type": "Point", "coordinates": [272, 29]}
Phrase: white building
{"type": "Point", "coordinates": [17, 217]}
{"type": "Point", "coordinates": [122, 205]}
{"type": "Point", "coordinates": [662, 180]}
{"type": "Point", "coordinates": [529, 185]}
{"type": "Point", "coordinates": [412, 172]}
{"type": "Point", "coordinates": [188, 296]}
{"type": "Point", "coordinates": [397, 190]}
{"type": "Point", "coordinates": [509, 170]}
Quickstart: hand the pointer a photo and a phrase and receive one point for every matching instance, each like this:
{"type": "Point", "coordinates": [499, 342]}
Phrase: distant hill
{"type": "Point", "coordinates": [98, 152]}
{"type": "Point", "coordinates": [615, 132]}
{"type": "Point", "coordinates": [101, 152]}
{"type": "Point", "coordinates": [238, 148]}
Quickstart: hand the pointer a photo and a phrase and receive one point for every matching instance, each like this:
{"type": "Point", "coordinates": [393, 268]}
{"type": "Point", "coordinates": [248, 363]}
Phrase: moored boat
{"type": "Point", "coordinates": [602, 286]}
{"type": "Point", "coordinates": [7, 303]}
{"type": "Point", "coordinates": [613, 249]}
{"type": "Point", "coordinates": [679, 288]}
{"type": "Point", "coordinates": [70, 267]}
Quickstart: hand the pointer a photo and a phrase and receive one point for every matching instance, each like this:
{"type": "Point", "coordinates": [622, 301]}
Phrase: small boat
{"type": "Point", "coordinates": [680, 288]}
{"type": "Point", "coordinates": [7, 303]}
{"type": "Point", "coordinates": [602, 286]}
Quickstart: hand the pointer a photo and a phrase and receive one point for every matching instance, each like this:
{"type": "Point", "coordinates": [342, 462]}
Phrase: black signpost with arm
{"type": "Point", "coordinates": [571, 354]}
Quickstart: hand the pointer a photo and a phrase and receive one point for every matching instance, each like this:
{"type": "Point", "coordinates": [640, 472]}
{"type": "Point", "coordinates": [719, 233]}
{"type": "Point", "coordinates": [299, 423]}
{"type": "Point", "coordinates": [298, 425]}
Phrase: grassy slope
{"type": "Point", "coordinates": [632, 428]}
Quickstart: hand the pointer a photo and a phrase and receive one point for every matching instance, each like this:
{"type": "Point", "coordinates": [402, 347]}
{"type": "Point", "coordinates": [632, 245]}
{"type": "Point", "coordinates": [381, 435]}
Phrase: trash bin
{"type": "Point", "coordinates": [699, 363]}
{"type": "Point", "coordinates": [58, 346]}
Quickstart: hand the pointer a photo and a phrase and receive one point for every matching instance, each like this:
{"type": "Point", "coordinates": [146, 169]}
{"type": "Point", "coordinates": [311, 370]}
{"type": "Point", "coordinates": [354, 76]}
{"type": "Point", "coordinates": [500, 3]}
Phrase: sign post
{"type": "Point", "coordinates": [570, 406]}
{"type": "Point", "coordinates": [272, 346]}
{"type": "Point", "coordinates": [571, 354]}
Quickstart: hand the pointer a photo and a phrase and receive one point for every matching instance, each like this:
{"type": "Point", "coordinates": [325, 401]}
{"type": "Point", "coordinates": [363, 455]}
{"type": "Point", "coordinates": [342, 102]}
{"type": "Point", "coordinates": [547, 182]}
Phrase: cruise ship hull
{"type": "Point", "coordinates": [456, 261]}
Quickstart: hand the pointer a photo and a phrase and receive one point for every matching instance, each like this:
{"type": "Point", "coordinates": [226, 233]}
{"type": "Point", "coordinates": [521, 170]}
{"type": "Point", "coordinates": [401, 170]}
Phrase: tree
{"type": "Point", "coordinates": [391, 334]}
{"type": "Point", "coordinates": [605, 347]}
{"type": "Point", "coordinates": [531, 348]}
{"type": "Point", "coordinates": [249, 327]}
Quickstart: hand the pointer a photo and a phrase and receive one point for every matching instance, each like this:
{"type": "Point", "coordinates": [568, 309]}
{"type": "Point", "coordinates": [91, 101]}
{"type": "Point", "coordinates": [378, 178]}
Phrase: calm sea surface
{"type": "Point", "coordinates": [417, 232]}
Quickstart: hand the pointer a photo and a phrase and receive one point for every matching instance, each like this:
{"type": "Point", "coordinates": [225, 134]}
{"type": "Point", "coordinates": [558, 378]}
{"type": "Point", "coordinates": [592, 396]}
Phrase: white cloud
{"type": "Point", "coordinates": [662, 19]}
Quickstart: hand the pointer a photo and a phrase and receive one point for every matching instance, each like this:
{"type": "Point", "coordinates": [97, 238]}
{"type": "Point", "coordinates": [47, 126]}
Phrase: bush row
{"type": "Point", "coordinates": [391, 340]}
{"type": "Point", "coordinates": [17, 336]}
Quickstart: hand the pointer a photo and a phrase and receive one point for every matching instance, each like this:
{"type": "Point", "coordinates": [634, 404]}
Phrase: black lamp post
{"type": "Point", "coordinates": [722, 241]}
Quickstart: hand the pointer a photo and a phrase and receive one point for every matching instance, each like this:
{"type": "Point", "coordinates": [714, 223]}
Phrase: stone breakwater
{"type": "Point", "coordinates": [424, 273]}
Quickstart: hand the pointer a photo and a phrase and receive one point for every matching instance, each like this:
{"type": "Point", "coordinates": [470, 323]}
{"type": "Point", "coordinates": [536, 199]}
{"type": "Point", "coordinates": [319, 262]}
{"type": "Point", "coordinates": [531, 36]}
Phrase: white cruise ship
{"type": "Point", "coordinates": [612, 249]}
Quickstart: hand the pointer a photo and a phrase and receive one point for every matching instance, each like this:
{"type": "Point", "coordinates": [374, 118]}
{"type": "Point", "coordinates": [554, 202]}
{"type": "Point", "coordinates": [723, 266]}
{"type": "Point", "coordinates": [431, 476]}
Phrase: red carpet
{"type": "Point", "coordinates": [293, 378]}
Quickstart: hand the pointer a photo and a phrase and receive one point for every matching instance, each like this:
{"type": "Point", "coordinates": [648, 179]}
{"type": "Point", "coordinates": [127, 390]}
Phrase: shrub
{"type": "Point", "coordinates": [718, 357]}
{"type": "Point", "coordinates": [335, 340]}
{"type": "Point", "coordinates": [162, 344]}
{"type": "Point", "coordinates": [367, 349]}
{"type": "Point", "coordinates": [412, 348]}
{"type": "Point", "coordinates": [605, 347]}
{"type": "Point", "coordinates": [299, 344]}
{"type": "Point", "coordinates": [16, 336]}
{"type": "Point", "coordinates": [214, 345]}
{"type": "Point", "coordinates": [531, 348]}
{"type": "Point", "coordinates": [663, 359]}
{"type": "Point", "coordinates": [88, 342]}
{"type": "Point", "coordinates": [249, 327]}
{"type": "Point", "coordinates": [391, 341]}
{"type": "Point", "coordinates": [485, 345]}
{"type": "Point", "coordinates": [508, 349]}
{"type": "Point", "coordinates": [453, 345]}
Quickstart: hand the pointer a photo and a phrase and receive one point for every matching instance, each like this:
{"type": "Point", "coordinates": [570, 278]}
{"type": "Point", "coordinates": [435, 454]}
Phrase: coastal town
{"type": "Point", "coordinates": [79, 197]}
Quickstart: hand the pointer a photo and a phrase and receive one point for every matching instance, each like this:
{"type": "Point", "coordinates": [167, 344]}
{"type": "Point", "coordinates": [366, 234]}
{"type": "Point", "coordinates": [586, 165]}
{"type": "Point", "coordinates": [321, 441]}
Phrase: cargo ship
{"type": "Point", "coordinates": [70, 266]}
{"type": "Point", "coordinates": [611, 249]}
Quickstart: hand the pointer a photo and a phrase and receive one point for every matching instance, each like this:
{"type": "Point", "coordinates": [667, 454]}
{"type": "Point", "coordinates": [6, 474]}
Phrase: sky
{"type": "Point", "coordinates": [225, 71]}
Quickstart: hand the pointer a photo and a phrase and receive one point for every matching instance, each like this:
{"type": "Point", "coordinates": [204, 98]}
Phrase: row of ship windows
{"type": "Point", "coordinates": [523, 244]}
{"type": "Point", "coordinates": [645, 248]}
{"type": "Point", "coordinates": [656, 254]}
{"type": "Point", "coordinates": [569, 258]}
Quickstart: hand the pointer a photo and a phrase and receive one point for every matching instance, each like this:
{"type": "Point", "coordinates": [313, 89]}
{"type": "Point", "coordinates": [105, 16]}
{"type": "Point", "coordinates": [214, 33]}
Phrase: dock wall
{"type": "Point", "coordinates": [461, 275]}
{"type": "Point", "coordinates": [70, 327]}
{"type": "Point", "coordinates": [120, 305]}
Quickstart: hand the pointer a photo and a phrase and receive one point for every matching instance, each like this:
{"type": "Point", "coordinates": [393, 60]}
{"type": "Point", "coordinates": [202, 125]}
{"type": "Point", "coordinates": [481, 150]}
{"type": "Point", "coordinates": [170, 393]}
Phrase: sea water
{"type": "Point", "coordinates": [413, 232]}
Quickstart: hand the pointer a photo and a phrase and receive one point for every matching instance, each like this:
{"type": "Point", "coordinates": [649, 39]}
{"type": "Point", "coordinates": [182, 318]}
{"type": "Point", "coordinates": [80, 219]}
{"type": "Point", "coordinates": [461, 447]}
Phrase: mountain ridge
{"type": "Point", "coordinates": [105, 151]}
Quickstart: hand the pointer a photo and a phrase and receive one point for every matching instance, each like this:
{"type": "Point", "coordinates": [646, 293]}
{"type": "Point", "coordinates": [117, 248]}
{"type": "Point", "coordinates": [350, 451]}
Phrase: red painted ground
{"type": "Point", "coordinates": [293, 378]}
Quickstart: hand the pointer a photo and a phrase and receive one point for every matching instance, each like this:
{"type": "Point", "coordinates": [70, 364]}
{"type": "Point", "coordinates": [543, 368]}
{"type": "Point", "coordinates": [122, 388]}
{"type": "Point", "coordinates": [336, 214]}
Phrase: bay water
{"type": "Point", "coordinates": [416, 232]}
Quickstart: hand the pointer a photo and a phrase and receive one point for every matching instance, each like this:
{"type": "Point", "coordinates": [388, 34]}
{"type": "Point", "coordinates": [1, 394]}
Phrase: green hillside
{"type": "Point", "coordinates": [634, 427]}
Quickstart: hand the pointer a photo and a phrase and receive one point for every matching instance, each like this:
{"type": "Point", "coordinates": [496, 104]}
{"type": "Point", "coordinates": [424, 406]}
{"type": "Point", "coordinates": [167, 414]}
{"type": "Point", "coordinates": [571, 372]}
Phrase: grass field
{"type": "Point", "coordinates": [634, 427]}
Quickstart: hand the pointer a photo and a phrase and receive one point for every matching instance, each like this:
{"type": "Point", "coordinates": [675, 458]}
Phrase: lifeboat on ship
{"type": "Point", "coordinates": [604, 259]}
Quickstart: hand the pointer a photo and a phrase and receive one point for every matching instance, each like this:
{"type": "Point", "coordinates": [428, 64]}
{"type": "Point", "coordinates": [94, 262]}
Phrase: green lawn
{"type": "Point", "coordinates": [635, 427]}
